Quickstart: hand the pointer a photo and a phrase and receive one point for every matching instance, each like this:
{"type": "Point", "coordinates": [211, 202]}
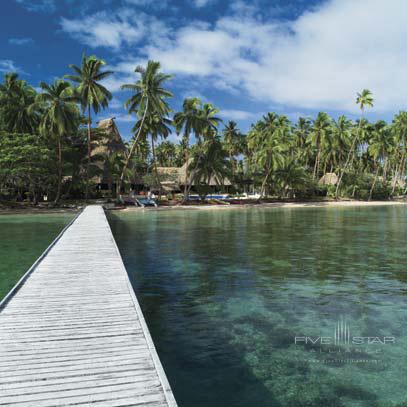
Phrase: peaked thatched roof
{"type": "Point", "coordinates": [330, 178]}
{"type": "Point", "coordinates": [176, 176]}
{"type": "Point", "coordinates": [108, 143]}
{"type": "Point", "coordinates": [111, 142]}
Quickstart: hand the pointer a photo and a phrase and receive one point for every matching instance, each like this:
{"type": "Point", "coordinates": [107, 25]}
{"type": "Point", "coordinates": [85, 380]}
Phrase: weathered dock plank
{"type": "Point", "coordinates": [73, 332]}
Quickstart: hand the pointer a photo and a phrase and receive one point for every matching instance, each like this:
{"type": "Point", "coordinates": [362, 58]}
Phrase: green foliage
{"type": "Point", "coordinates": [26, 164]}
{"type": "Point", "coordinates": [276, 157]}
{"type": "Point", "coordinates": [18, 110]}
{"type": "Point", "coordinates": [166, 154]}
{"type": "Point", "coordinates": [90, 93]}
{"type": "Point", "coordinates": [209, 163]}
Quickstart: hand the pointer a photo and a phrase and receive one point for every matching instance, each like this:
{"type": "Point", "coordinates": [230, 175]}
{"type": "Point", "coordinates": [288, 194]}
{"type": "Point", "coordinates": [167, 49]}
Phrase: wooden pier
{"type": "Point", "coordinates": [72, 332]}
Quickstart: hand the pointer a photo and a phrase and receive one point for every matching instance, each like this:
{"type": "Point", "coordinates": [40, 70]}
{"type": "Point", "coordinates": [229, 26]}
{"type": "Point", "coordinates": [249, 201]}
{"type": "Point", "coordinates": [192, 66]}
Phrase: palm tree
{"type": "Point", "coordinates": [166, 153]}
{"type": "Point", "coordinates": [209, 162]}
{"type": "Point", "coordinates": [157, 126]}
{"type": "Point", "coordinates": [61, 117]}
{"type": "Point", "coordinates": [209, 121]}
{"type": "Point", "coordinates": [302, 130]}
{"type": "Point", "coordinates": [363, 99]}
{"type": "Point", "coordinates": [149, 98]}
{"type": "Point", "coordinates": [92, 94]}
{"type": "Point", "coordinates": [290, 176]}
{"type": "Point", "coordinates": [379, 146]}
{"type": "Point", "coordinates": [19, 112]}
{"type": "Point", "coordinates": [400, 132]}
{"type": "Point", "coordinates": [231, 140]}
{"type": "Point", "coordinates": [319, 136]}
{"type": "Point", "coordinates": [269, 141]}
{"type": "Point", "coordinates": [115, 163]}
{"type": "Point", "coordinates": [341, 141]}
{"type": "Point", "coordinates": [189, 122]}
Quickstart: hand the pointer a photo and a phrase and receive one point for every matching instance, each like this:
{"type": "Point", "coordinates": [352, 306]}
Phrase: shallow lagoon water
{"type": "Point", "coordinates": [22, 240]}
{"type": "Point", "coordinates": [226, 293]}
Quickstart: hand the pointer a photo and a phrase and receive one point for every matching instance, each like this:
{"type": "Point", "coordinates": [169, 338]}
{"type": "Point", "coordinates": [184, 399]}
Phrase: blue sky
{"type": "Point", "coordinates": [295, 57]}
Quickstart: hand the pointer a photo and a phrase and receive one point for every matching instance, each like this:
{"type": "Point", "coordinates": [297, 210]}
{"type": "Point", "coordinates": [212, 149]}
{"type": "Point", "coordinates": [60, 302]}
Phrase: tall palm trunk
{"type": "Point", "coordinates": [264, 183]}
{"type": "Point", "coordinates": [157, 180]}
{"type": "Point", "coordinates": [316, 165]}
{"type": "Point", "coordinates": [132, 149]}
{"type": "Point", "coordinates": [350, 155]}
{"type": "Point", "coordinates": [58, 195]}
{"type": "Point", "coordinates": [399, 168]}
{"type": "Point", "coordinates": [89, 152]}
{"type": "Point", "coordinates": [186, 181]}
{"type": "Point", "coordinates": [189, 185]}
{"type": "Point", "coordinates": [374, 181]}
{"type": "Point", "coordinates": [386, 162]}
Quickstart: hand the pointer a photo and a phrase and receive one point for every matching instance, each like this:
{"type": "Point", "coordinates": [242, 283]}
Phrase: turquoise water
{"type": "Point", "coordinates": [231, 296]}
{"type": "Point", "coordinates": [22, 240]}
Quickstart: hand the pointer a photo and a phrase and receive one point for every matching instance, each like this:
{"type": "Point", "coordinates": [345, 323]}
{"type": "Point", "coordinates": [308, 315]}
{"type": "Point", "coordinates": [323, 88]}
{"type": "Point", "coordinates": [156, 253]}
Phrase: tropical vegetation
{"type": "Point", "coordinates": [47, 136]}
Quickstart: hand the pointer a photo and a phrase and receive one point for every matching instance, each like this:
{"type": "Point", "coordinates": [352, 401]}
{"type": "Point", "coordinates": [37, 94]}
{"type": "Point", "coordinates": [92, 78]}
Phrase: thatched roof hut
{"type": "Point", "coordinates": [169, 178]}
{"type": "Point", "coordinates": [399, 181]}
{"type": "Point", "coordinates": [173, 178]}
{"type": "Point", "coordinates": [212, 182]}
{"type": "Point", "coordinates": [330, 178]}
{"type": "Point", "coordinates": [108, 142]}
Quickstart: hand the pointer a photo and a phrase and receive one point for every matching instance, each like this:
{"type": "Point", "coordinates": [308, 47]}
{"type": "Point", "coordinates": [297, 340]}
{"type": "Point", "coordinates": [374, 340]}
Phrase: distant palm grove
{"type": "Point", "coordinates": [48, 140]}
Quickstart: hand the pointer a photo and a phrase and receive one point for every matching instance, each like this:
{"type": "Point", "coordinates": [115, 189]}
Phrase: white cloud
{"type": "Point", "coordinates": [231, 114]}
{"type": "Point", "coordinates": [7, 65]}
{"type": "Point", "coordinates": [125, 118]}
{"type": "Point", "coordinates": [318, 61]}
{"type": "Point", "coordinates": [158, 4]}
{"type": "Point", "coordinates": [115, 104]}
{"type": "Point", "coordinates": [44, 6]}
{"type": "Point", "coordinates": [114, 30]}
{"type": "Point", "coordinates": [20, 41]}
{"type": "Point", "coordinates": [120, 118]}
{"type": "Point", "coordinates": [201, 3]}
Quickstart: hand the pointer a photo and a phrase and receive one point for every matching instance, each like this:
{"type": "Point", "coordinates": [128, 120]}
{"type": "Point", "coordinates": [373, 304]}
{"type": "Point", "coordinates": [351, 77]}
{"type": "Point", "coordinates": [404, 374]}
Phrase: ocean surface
{"type": "Point", "coordinates": [23, 238]}
{"type": "Point", "coordinates": [268, 307]}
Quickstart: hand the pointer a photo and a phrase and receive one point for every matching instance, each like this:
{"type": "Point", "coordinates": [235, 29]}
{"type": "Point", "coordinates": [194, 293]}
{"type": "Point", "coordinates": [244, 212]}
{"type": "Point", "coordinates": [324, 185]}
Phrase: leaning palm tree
{"type": "Point", "coordinates": [92, 95]}
{"type": "Point", "coordinates": [189, 122]}
{"type": "Point", "coordinates": [149, 98]}
{"type": "Point", "coordinates": [60, 119]}
{"type": "Point", "coordinates": [156, 126]}
{"type": "Point", "coordinates": [341, 141]}
{"type": "Point", "coordinates": [203, 122]}
{"type": "Point", "coordinates": [364, 99]}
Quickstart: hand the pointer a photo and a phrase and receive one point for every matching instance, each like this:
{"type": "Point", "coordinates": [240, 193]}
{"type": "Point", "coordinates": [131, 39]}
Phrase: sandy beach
{"type": "Point", "coordinates": [315, 204]}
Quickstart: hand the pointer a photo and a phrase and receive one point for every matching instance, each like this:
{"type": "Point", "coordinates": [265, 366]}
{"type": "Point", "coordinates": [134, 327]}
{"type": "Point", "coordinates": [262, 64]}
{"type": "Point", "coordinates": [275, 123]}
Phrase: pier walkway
{"type": "Point", "coordinates": [72, 333]}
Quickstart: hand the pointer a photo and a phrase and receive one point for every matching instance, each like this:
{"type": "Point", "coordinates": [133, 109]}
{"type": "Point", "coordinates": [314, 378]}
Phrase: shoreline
{"type": "Point", "coordinates": [291, 205]}
{"type": "Point", "coordinates": [37, 211]}
{"type": "Point", "coordinates": [304, 204]}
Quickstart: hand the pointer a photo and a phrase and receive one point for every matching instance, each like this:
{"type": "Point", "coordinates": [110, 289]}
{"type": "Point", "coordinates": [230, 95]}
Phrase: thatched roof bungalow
{"type": "Point", "coordinates": [174, 178]}
{"type": "Point", "coordinates": [330, 178]}
{"type": "Point", "coordinates": [108, 142]}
